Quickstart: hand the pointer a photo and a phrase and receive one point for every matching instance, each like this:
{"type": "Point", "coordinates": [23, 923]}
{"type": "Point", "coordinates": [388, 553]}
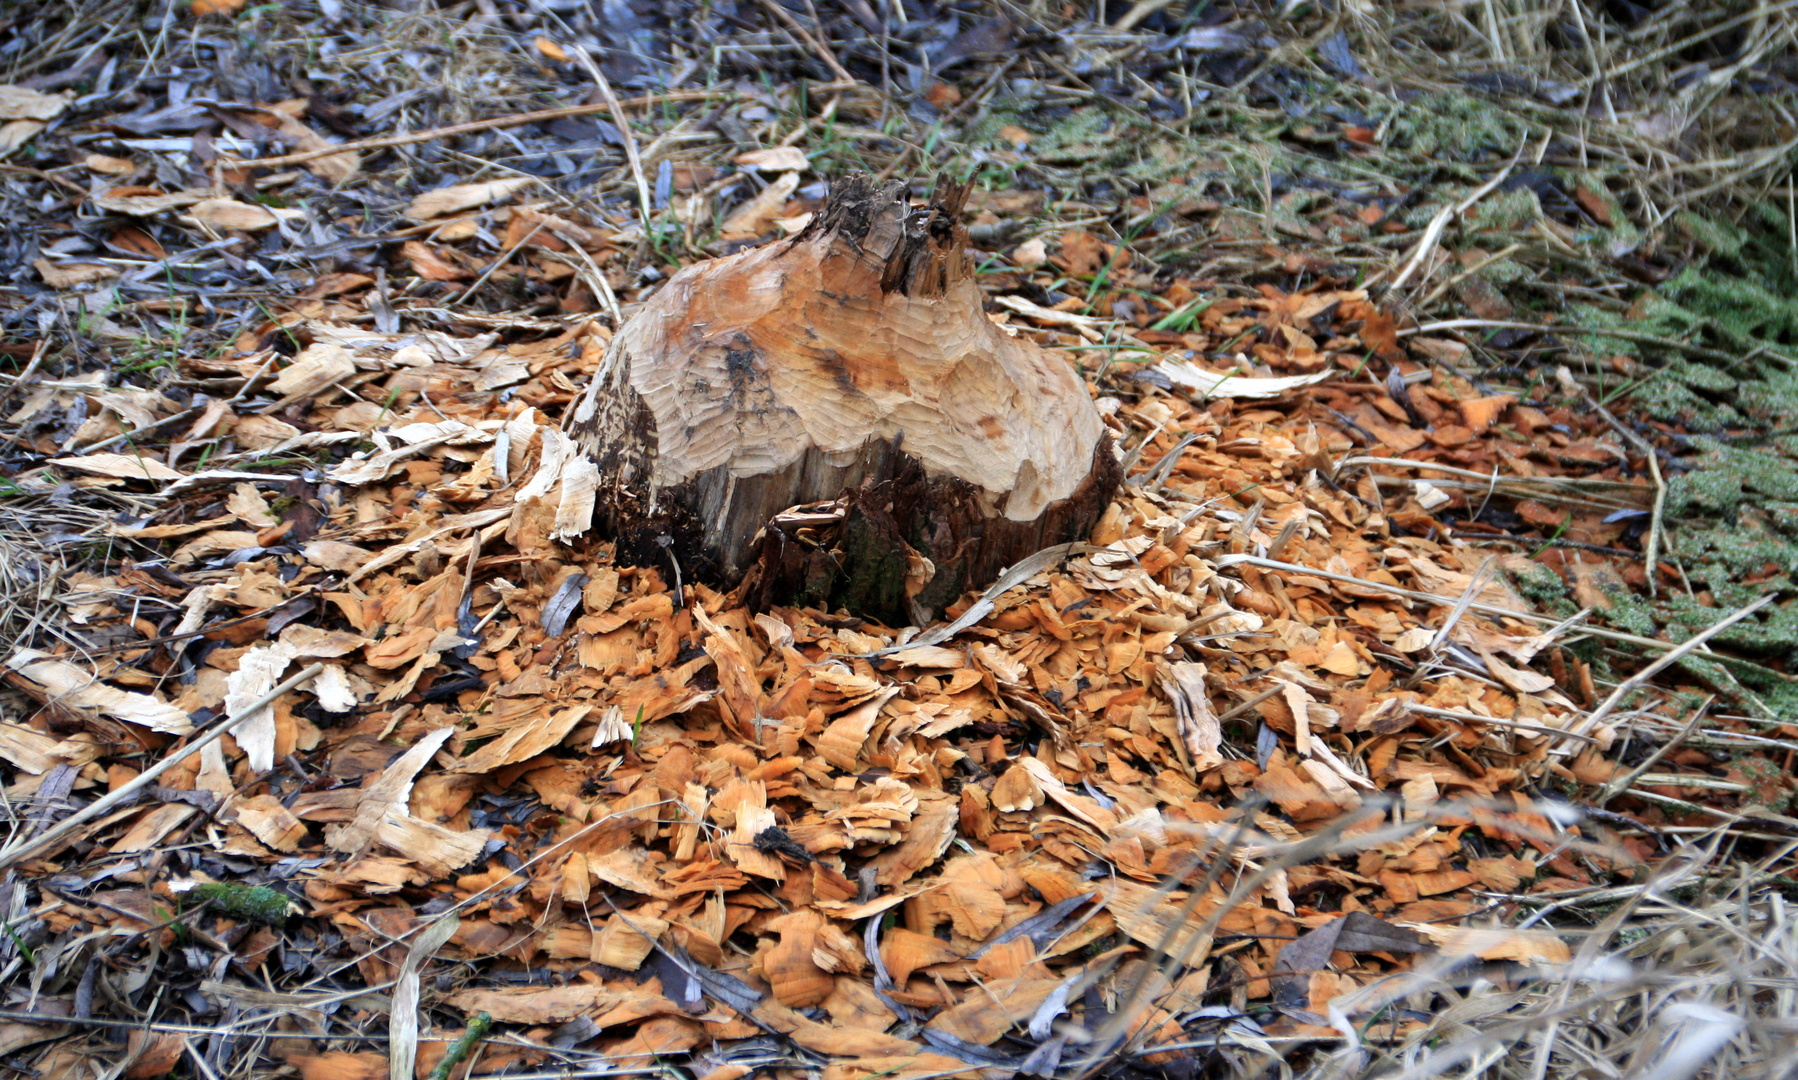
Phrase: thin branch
{"type": "Point", "coordinates": [17, 851]}
{"type": "Point", "coordinates": [451, 131]}
{"type": "Point", "coordinates": [1685, 648]}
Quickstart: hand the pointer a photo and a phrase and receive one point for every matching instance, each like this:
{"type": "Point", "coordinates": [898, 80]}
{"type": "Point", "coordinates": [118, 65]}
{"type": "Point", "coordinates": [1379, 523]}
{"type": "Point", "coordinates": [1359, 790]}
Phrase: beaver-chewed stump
{"type": "Point", "coordinates": [852, 365]}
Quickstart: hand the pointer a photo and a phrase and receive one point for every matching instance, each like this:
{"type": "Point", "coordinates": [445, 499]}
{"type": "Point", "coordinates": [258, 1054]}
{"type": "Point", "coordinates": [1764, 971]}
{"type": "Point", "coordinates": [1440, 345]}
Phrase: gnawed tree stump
{"type": "Point", "coordinates": [851, 364]}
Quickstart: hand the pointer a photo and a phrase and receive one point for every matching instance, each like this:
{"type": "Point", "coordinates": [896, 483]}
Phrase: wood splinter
{"type": "Point", "coordinates": [851, 365]}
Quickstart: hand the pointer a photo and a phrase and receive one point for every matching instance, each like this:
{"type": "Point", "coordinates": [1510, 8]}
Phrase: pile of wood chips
{"type": "Point", "coordinates": [640, 822]}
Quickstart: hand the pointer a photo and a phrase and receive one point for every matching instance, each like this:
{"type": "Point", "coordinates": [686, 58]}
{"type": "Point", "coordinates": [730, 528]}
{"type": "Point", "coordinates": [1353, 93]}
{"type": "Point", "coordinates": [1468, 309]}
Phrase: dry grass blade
{"type": "Point", "coordinates": [622, 121]}
{"type": "Point", "coordinates": [402, 1031]}
{"type": "Point", "coordinates": [1434, 598]}
{"type": "Point", "coordinates": [1685, 648]}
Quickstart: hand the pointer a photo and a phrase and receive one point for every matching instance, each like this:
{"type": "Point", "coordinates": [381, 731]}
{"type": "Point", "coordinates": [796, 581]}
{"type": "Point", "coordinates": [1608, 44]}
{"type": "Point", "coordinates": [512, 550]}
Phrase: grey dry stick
{"type": "Point", "coordinates": [16, 851]}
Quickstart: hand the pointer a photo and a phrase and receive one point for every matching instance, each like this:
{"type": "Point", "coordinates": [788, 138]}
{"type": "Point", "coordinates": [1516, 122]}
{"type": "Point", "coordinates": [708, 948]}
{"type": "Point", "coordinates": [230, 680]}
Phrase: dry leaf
{"type": "Point", "coordinates": [121, 466]}
{"type": "Point", "coordinates": [317, 366]}
{"type": "Point", "coordinates": [431, 263]}
{"type": "Point", "coordinates": [248, 505]}
{"type": "Point", "coordinates": [338, 1064]}
{"type": "Point", "coordinates": [299, 138]}
{"type": "Point", "coordinates": [756, 217]}
{"type": "Point", "coordinates": [23, 103]}
{"type": "Point", "coordinates": [458, 197]}
{"type": "Point", "coordinates": [153, 1053]}
{"type": "Point", "coordinates": [67, 275]}
{"type": "Point", "coordinates": [1299, 961]}
{"type": "Point", "coordinates": [1480, 413]}
{"type": "Point", "coordinates": [775, 159]}
{"type": "Point", "coordinates": [111, 166]}
{"type": "Point", "coordinates": [231, 214]}
{"type": "Point", "coordinates": [70, 687]}
{"type": "Point", "coordinates": [18, 133]}
{"type": "Point", "coordinates": [536, 1004]}
{"type": "Point", "coordinates": [217, 542]}
{"type": "Point", "coordinates": [146, 201]}
{"type": "Point", "coordinates": [1527, 947]}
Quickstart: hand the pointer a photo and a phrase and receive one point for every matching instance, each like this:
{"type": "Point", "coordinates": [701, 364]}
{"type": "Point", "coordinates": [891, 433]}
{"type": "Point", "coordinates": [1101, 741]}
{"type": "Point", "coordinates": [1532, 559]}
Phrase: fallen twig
{"type": "Point", "coordinates": [461, 1048]}
{"type": "Point", "coordinates": [1679, 652]}
{"type": "Point", "coordinates": [223, 724]}
{"type": "Point", "coordinates": [539, 116]}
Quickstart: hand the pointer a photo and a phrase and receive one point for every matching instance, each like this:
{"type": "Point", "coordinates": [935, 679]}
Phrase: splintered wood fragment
{"type": "Point", "coordinates": [536, 1004]}
{"type": "Point", "coordinates": [270, 822]}
{"type": "Point", "coordinates": [1016, 791]}
{"type": "Point", "coordinates": [737, 684]}
{"type": "Point", "coordinates": [905, 951]}
{"type": "Point", "coordinates": [386, 796]}
{"type": "Point", "coordinates": [932, 831]}
{"type": "Point", "coordinates": [789, 967]}
{"type": "Point", "coordinates": [972, 907]}
{"type": "Point", "coordinates": [852, 362]}
{"type": "Point", "coordinates": [841, 742]}
{"type": "Point", "coordinates": [848, 1042]}
{"type": "Point", "coordinates": [1527, 947]}
{"type": "Point", "coordinates": [1184, 684]}
{"type": "Point", "coordinates": [382, 815]}
{"type": "Point", "coordinates": [530, 738]}
{"type": "Point", "coordinates": [625, 943]}
{"type": "Point", "coordinates": [983, 1017]}
{"type": "Point", "coordinates": [628, 868]}
{"type": "Point", "coordinates": [1158, 921]}
{"type": "Point", "coordinates": [747, 802]}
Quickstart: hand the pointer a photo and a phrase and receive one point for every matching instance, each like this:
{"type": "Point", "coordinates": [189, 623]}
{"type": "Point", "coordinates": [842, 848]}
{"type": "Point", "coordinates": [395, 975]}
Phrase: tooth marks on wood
{"type": "Point", "coordinates": [793, 373]}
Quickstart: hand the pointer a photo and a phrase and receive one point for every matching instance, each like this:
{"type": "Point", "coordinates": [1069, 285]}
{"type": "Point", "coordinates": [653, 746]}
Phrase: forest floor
{"type": "Point", "coordinates": [1428, 703]}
